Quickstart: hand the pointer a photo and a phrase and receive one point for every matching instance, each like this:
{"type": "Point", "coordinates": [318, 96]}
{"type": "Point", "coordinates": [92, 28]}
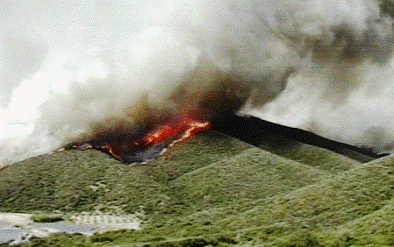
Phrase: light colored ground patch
{"type": "Point", "coordinates": [15, 219]}
{"type": "Point", "coordinates": [108, 222]}
{"type": "Point", "coordinates": [18, 228]}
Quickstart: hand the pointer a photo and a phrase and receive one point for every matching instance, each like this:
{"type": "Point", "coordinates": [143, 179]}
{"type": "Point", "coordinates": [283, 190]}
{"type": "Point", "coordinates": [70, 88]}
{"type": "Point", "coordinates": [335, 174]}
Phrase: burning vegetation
{"type": "Point", "coordinates": [155, 142]}
{"type": "Point", "coordinates": [134, 149]}
{"type": "Point", "coordinates": [143, 131]}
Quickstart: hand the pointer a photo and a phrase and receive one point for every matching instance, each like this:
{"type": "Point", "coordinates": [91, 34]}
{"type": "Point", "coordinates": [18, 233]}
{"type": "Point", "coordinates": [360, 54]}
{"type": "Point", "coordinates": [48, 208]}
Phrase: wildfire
{"type": "Point", "coordinates": [189, 129]}
{"type": "Point", "coordinates": [155, 142]}
{"type": "Point", "coordinates": [194, 128]}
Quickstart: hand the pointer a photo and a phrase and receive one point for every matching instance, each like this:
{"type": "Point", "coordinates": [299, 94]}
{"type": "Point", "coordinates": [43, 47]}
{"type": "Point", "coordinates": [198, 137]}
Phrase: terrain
{"type": "Point", "coordinates": [215, 190]}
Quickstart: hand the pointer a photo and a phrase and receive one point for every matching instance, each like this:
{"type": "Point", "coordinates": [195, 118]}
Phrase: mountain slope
{"type": "Point", "coordinates": [214, 190]}
{"type": "Point", "coordinates": [250, 175]}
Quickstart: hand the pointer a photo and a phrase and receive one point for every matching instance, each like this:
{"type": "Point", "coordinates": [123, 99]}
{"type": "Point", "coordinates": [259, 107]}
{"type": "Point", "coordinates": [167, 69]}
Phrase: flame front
{"type": "Point", "coordinates": [188, 129]}
{"type": "Point", "coordinates": [165, 136]}
{"type": "Point", "coordinates": [194, 128]}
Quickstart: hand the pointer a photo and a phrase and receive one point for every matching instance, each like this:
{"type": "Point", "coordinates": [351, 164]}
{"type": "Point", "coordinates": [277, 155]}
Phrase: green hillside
{"type": "Point", "coordinates": [214, 190]}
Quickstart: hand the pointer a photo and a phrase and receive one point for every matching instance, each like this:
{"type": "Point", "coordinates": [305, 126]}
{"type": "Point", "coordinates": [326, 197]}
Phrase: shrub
{"type": "Point", "coordinates": [100, 238]}
{"type": "Point", "coordinates": [45, 218]}
{"type": "Point", "coordinates": [301, 239]}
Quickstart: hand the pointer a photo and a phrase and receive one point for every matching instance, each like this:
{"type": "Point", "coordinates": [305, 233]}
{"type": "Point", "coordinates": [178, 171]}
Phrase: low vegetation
{"type": "Point", "coordinates": [212, 191]}
{"type": "Point", "coordinates": [46, 218]}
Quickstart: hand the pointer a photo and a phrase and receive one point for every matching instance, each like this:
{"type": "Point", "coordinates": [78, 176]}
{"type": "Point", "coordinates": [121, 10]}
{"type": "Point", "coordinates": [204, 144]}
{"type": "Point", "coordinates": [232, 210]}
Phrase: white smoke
{"type": "Point", "coordinates": [344, 89]}
{"type": "Point", "coordinates": [326, 66]}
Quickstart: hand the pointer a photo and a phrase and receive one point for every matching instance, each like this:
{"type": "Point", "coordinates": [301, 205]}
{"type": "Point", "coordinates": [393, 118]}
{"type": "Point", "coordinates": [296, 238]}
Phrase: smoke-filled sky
{"type": "Point", "coordinates": [321, 65]}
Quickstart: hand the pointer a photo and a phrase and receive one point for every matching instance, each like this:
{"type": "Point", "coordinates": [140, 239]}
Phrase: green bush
{"type": "Point", "coordinates": [227, 240]}
{"type": "Point", "coordinates": [46, 218]}
{"type": "Point", "coordinates": [100, 238]}
{"type": "Point", "coordinates": [344, 240]}
{"type": "Point", "coordinates": [301, 239]}
{"type": "Point", "coordinates": [59, 239]}
{"type": "Point", "coordinates": [198, 242]}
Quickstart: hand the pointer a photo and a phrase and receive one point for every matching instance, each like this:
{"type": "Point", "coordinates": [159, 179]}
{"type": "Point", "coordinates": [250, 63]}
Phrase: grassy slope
{"type": "Point", "coordinates": [250, 175]}
{"type": "Point", "coordinates": [318, 157]}
{"type": "Point", "coordinates": [326, 204]}
{"type": "Point", "coordinates": [72, 181]}
{"type": "Point", "coordinates": [215, 190]}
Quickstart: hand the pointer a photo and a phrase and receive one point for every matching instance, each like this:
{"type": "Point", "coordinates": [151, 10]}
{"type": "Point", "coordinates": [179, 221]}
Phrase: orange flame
{"type": "Point", "coordinates": [194, 128]}
{"type": "Point", "coordinates": [188, 128]}
{"type": "Point", "coordinates": [175, 133]}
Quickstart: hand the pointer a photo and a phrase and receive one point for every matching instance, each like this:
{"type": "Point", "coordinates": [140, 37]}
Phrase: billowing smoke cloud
{"type": "Point", "coordinates": [344, 88]}
{"type": "Point", "coordinates": [71, 69]}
